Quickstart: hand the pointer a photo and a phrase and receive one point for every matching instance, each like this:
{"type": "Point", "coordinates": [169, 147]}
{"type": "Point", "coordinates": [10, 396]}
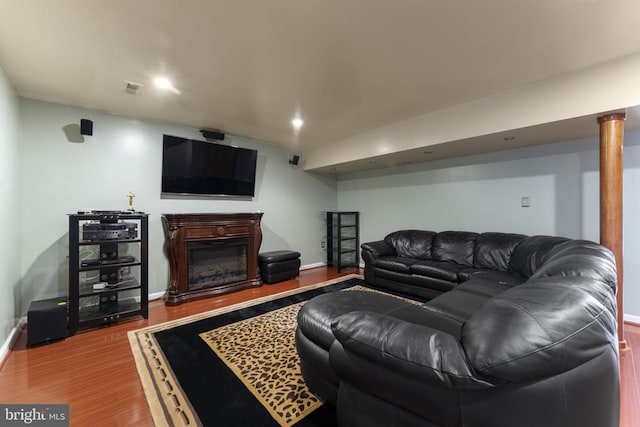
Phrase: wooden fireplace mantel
{"type": "Point", "coordinates": [182, 228]}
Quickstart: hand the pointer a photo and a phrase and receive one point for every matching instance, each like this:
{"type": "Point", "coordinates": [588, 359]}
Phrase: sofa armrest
{"type": "Point", "coordinates": [409, 349]}
{"type": "Point", "coordinates": [541, 328]}
{"type": "Point", "coordinates": [377, 249]}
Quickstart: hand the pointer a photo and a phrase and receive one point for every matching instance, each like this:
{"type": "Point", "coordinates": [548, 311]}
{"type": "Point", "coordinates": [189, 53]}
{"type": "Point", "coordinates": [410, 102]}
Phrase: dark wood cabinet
{"type": "Point", "coordinates": [211, 253]}
{"type": "Point", "coordinates": [108, 268]}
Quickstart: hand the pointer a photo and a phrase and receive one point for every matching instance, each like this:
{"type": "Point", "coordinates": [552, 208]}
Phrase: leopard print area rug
{"type": "Point", "coordinates": [261, 352]}
{"type": "Point", "coordinates": [254, 342]}
{"type": "Point", "coordinates": [168, 402]}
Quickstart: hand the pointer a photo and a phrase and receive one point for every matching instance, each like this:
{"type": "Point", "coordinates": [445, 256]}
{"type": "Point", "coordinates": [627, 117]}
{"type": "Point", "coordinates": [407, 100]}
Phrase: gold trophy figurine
{"type": "Point", "coordinates": [130, 196]}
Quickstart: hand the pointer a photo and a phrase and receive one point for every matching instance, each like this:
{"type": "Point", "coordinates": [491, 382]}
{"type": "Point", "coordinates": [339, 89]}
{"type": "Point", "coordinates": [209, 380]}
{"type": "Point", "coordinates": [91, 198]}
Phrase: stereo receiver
{"type": "Point", "coordinates": [109, 231]}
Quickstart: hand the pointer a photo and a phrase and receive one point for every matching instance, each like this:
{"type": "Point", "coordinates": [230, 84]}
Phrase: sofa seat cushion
{"type": "Point", "coordinates": [396, 281]}
{"type": "Point", "coordinates": [460, 303]}
{"type": "Point", "coordinates": [500, 277]}
{"type": "Point", "coordinates": [487, 287]}
{"type": "Point", "coordinates": [437, 269]}
{"type": "Point", "coordinates": [394, 263]}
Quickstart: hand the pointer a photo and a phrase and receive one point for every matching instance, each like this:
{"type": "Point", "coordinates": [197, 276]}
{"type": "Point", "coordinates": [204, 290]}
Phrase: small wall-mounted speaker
{"type": "Point", "coordinates": [86, 127]}
{"type": "Point", "coordinates": [211, 134]}
{"type": "Point", "coordinates": [294, 160]}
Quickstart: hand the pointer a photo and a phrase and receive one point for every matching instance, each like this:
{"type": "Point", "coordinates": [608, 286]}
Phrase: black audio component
{"type": "Point", "coordinates": [86, 127]}
{"type": "Point", "coordinates": [109, 275]}
{"type": "Point", "coordinates": [109, 231]}
{"type": "Point", "coordinates": [108, 251]}
{"type": "Point", "coordinates": [108, 298]}
{"type": "Point", "coordinates": [107, 216]}
{"type": "Point", "coordinates": [46, 321]}
{"type": "Point", "coordinates": [294, 160]}
{"type": "Point", "coordinates": [212, 134]}
{"type": "Point", "coordinates": [110, 261]}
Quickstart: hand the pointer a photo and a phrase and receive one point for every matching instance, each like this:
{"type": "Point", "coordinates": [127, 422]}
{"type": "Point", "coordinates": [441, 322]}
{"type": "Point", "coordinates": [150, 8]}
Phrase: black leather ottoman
{"type": "Point", "coordinates": [279, 265]}
{"type": "Point", "coordinates": [314, 337]}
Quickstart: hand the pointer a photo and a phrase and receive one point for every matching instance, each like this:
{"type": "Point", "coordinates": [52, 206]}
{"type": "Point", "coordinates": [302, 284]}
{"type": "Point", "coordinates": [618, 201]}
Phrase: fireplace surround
{"type": "Point", "coordinates": [211, 253]}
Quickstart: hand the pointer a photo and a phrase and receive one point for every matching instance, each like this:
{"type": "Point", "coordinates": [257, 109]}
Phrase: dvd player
{"type": "Point", "coordinates": [101, 262]}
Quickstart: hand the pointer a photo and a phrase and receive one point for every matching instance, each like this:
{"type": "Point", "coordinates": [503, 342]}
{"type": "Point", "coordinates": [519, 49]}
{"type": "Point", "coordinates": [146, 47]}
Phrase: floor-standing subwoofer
{"type": "Point", "coordinates": [46, 321]}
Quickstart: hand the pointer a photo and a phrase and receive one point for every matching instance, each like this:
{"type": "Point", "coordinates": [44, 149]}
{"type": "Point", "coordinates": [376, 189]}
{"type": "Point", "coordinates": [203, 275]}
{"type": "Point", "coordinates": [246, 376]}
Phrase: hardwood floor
{"type": "Point", "coordinates": [629, 379]}
{"type": "Point", "coordinates": [95, 373]}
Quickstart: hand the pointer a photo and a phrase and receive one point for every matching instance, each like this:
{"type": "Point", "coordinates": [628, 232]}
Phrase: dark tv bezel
{"type": "Point", "coordinates": [165, 193]}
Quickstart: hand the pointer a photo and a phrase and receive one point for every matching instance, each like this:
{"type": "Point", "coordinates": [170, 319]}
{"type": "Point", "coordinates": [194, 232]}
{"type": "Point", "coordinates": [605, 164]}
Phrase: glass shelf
{"type": "Point", "coordinates": [343, 239]}
{"type": "Point", "coordinates": [129, 297]}
{"type": "Point", "coordinates": [86, 290]}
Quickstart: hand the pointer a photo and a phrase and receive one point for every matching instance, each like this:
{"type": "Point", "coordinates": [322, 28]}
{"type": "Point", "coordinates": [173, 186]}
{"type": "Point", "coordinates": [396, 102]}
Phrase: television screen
{"type": "Point", "coordinates": [199, 167]}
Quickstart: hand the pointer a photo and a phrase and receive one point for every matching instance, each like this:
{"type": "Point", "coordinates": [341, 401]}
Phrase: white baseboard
{"type": "Point", "coordinates": [156, 295]}
{"type": "Point", "coordinates": [11, 339]}
{"type": "Point", "coordinates": [315, 265]}
{"type": "Point", "coordinates": [630, 318]}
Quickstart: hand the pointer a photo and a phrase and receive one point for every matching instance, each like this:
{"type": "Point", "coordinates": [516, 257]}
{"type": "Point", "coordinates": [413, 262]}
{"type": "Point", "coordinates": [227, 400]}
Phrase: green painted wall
{"type": "Point", "coordinates": [58, 177]}
{"type": "Point", "coordinates": [9, 214]}
{"type": "Point", "coordinates": [483, 193]}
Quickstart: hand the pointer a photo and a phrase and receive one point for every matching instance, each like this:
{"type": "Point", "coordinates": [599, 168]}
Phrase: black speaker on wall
{"type": "Point", "coordinates": [211, 134]}
{"type": "Point", "coordinates": [294, 160]}
{"type": "Point", "coordinates": [86, 127]}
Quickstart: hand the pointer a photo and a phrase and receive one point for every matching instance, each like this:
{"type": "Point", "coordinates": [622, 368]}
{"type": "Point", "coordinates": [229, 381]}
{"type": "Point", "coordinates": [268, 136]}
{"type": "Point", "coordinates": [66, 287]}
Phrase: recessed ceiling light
{"type": "Point", "coordinates": [297, 123]}
{"type": "Point", "coordinates": [162, 83]}
{"type": "Point", "coordinates": [165, 84]}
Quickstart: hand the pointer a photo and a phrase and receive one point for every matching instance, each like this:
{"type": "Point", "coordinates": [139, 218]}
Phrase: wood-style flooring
{"type": "Point", "coordinates": [95, 374]}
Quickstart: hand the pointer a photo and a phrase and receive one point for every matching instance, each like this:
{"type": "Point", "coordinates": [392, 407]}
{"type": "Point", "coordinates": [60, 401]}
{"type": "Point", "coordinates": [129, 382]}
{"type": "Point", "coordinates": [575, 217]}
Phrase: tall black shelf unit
{"type": "Point", "coordinates": [343, 239]}
{"type": "Point", "coordinates": [123, 263]}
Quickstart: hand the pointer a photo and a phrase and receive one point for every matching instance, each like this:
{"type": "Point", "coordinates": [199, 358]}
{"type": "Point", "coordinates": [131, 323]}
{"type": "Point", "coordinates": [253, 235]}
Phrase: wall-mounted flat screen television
{"type": "Point", "coordinates": [199, 167]}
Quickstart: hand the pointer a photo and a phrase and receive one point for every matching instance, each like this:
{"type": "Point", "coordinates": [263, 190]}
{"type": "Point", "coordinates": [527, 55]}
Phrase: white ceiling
{"type": "Point", "coordinates": [247, 67]}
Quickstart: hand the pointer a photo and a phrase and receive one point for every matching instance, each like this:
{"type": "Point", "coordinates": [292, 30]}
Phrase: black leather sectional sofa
{"type": "Point", "coordinates": [517, 331]}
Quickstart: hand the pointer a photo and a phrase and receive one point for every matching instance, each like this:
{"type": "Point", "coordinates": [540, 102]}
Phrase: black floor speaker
{"type": "Point", "coordinates": [46, 321]}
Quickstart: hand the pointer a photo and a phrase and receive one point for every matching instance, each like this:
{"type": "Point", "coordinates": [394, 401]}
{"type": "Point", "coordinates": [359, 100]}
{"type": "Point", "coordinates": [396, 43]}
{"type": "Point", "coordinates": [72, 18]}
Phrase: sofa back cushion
{"type": "Point", "coordinates": [454, 246]}
{"type": "Point", "coordinates": [412, 243]}
{"type": "Point", "coordinates": [531, 253]}
{"type": "Point", "coordinates": [580, 258]}
{"type": "Point", "coordinates": [493, 250]}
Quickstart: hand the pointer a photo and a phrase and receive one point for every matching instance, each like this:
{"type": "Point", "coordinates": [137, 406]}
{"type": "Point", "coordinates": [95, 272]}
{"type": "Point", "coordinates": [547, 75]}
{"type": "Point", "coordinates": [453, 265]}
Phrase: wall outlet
{"type": "Point", "coordinates": [525, 202]}
{"type": "Point", "coordinates": [322, 244]}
